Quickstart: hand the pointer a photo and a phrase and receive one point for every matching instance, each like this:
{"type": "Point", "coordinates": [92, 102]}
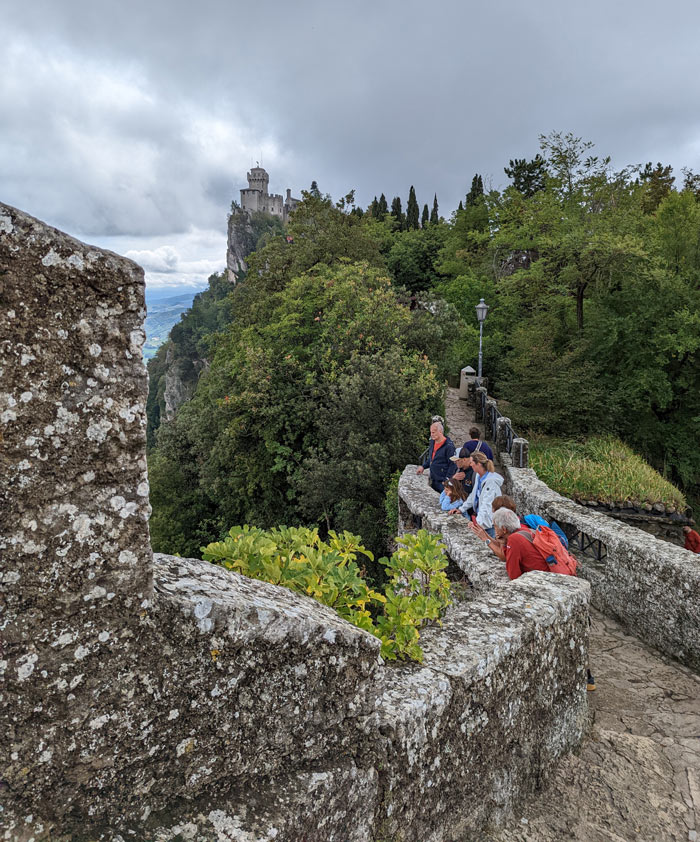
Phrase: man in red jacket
{"type": "Point", "coordinates": [692, 540]}
{"type": "Point", "coordinates": [510, 545]}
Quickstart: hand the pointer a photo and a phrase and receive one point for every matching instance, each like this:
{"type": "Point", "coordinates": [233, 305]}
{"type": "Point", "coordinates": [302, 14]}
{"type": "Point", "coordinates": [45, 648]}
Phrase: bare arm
{"type": "Point", "coordinates": [496, 546]}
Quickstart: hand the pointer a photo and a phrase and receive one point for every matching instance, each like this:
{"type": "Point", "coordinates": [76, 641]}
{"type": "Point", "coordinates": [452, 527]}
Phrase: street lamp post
{"type": "Point", "coordinates": [481, 311]}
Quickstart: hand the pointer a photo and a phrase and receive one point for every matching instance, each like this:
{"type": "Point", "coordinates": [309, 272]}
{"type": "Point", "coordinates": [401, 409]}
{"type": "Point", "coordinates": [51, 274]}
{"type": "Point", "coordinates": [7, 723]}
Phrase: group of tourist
{"type": "Point", "coordinates": [469, 485]}
{"type": "Point", "coordinates": [467, 481]}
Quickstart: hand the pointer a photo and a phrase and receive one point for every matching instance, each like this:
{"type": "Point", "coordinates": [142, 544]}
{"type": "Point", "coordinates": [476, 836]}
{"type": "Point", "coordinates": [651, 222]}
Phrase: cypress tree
{"type": "Point", "coordinates": [461, 206]}
{"type": "Point", "coordinates": [476, 192]}
{"type": "Point", "coordinates": [397, 213]}
{"type": "Point", "coordinates": [434, 216]}
{"type": "Point", "coordinates": [373, 208]}
{"type": "Point", "coordinates": [315, 192]}
{"type": "Point", "coordinates": [425, 217]}
{"type": "Point", "coordinates": [382, 208]}
{"type": "Point", "coordinates": [412, 211]}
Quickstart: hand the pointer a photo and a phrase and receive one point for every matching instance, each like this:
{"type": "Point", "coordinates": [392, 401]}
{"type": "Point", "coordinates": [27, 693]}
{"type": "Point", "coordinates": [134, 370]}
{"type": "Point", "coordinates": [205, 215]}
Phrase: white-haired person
{"type": "Point", "coordinates": [518, 552]}
{"type": "Point", "coordinates": [487, 486]}
{"type": "Point", "coordinates": [511, 545]}
{"type": "Point", "coordinates": [437, 457]}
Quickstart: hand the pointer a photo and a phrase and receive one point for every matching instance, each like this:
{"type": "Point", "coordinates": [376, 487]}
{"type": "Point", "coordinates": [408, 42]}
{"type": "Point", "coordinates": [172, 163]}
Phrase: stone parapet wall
{"type": "Point", "coordinates": [160, 698]}
{"type": "Point", "coordinates": [650, 585]}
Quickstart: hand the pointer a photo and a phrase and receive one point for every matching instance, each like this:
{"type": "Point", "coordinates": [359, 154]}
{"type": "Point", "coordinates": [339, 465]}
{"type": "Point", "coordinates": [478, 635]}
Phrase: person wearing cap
{"type": "Point", "coordinates": [438, 457]}
{"type": "Point", "coordinates": [463, 467]}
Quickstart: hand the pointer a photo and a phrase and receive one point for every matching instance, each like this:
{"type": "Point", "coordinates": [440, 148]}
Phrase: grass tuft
{"type": "Point", "coordinates": [602, 469]}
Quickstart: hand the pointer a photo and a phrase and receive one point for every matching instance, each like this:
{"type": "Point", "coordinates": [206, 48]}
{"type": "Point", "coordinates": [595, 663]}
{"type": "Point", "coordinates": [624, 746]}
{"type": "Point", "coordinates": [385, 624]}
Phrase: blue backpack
{"type": "Point", "coordinates": [533, 521]}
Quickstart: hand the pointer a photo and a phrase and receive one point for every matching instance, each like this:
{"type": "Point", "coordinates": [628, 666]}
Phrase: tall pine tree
{"type": "Point", "coordinates": [425, 217]}
{"type": "Point", "coordinates": [382, 208]}
{"type": "Point", "coordinates": [528, 177]}
{"type": "Point", "coordinates": [435, 216]}
{"type": "Point", "coordinates": [373, 209]}
{"type": "Point", "coordinates": [412, 212]}
{"type": "Point", "coordinates": [397, 213]}
{"type": "Point", "coordinates": [476, 192]}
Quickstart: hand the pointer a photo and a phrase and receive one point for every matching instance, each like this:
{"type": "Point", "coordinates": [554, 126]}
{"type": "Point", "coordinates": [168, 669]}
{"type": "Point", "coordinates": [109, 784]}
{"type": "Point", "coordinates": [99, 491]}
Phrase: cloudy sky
{"type": "Point", "coordinates": [131, 123]}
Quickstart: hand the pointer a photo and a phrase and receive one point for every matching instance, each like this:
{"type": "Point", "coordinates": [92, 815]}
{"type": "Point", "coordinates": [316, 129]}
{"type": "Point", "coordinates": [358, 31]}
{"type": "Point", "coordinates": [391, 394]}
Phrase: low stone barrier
{"type": "Point", "coordinates": [162, 698]}
{"type": "Point", "coordinates": [650, 585]}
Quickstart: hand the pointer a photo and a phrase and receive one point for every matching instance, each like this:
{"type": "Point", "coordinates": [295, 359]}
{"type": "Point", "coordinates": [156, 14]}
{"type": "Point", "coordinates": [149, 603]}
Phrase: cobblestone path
{"type": "Point", "coordinates": [636, 777]}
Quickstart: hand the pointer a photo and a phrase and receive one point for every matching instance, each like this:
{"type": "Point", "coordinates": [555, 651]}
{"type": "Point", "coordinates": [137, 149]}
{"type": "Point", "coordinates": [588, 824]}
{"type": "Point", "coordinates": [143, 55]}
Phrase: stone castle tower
{"type": "Point", "coordinates": [254, 199]}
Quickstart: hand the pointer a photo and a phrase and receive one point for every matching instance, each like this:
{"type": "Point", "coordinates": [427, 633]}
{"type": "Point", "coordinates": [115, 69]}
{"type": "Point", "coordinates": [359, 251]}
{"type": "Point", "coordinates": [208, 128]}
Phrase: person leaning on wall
{"type": "Point", "coordinates": [487, 486]}
{"type": "Point", "coordinates": [438, 457]}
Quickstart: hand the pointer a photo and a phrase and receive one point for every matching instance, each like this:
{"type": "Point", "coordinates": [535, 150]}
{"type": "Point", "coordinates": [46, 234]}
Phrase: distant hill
{"type": "Point", "coordinates": [163, 314]}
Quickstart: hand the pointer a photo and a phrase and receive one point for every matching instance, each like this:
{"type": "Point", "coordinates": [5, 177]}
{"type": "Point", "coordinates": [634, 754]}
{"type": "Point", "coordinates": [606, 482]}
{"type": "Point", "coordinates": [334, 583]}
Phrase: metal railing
{"type": "Point", "coordinates": [491, 416]}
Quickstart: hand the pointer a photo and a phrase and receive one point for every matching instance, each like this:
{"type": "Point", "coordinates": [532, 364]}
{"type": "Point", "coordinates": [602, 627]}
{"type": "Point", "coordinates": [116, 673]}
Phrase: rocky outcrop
{"type": "Point", "coordinates": [181, 376]}
{"type": "Point", "coordinates": [240, 242]}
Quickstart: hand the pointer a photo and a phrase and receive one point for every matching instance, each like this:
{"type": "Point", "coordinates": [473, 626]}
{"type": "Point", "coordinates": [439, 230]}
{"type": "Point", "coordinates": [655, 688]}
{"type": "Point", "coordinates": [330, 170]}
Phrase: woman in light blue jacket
{"type": "Point", "coordinates": [487, 486]}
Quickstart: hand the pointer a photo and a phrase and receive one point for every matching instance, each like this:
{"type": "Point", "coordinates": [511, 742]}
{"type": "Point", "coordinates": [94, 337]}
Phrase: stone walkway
{"type": "Point", "coordinates": [636, 777]}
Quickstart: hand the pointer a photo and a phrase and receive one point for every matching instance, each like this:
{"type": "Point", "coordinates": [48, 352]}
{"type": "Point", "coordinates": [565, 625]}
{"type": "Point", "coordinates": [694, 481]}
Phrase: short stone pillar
{"type": "Point", "coordinates": [466, 379]}
{"type": "Point", "coordinates": [502, 424]}
{"type": "Point", "coordinates": [478, 392]}
{"type": "Point", "coordinates": [489, 426]}
{"type": "Point", "coordinates": [520, 452]}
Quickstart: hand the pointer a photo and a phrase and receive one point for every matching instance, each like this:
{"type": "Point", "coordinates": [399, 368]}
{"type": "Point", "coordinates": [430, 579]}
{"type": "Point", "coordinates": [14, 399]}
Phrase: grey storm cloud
{"type": "Point", "coordinates": [133, 118]}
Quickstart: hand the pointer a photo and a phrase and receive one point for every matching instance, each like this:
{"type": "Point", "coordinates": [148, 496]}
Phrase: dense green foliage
{"type": "Point", "coordinates": [593, 277]}
{"type": "Point", "coordinates": [327, 361]}
{"type": "Point", "coordinates": [319, 390]}
{"type": "Point", "coordinates": [417, 592]}
{"type": "Point", "coordinates": [601, 468]}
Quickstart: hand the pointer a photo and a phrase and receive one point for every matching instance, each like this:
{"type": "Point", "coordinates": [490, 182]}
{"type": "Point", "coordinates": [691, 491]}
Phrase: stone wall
{"type": "Point", "coordinates": [650, 585]}
{"type": "Point", "coordinates": [658, 520]}
{"type": "Point", "coordinates": [168, 699]}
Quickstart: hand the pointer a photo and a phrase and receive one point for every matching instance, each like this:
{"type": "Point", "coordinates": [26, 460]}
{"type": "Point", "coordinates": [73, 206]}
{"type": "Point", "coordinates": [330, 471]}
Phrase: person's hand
{"type": "Point", "coordinates": [479, 531]}
{"type": "Point", "coordinates": [458, 475]}
{"type": "Point", "coordinates": [453, 511]}
{"type": "Point", "coordinates": [420, 470]}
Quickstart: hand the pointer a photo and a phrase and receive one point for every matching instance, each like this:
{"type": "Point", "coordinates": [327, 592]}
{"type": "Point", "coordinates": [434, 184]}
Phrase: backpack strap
{"type": "Point", "coordinates": [478, 447]}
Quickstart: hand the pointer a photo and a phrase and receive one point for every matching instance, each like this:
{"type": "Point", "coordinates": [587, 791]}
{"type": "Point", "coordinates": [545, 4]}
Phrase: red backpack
{"type": "Point", "coordinates": [547, 542]}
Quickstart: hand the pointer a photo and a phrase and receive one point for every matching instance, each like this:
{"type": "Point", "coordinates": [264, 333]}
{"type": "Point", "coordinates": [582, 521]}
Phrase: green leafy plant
{"type": "Point", "coordinates": [297, 558]}
{"type": "Point", "coordinates": [418, 592]}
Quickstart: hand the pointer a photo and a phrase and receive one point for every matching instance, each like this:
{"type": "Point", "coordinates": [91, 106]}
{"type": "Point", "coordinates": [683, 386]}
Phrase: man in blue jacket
{"type": "Point", "coordinates": [438, 457]}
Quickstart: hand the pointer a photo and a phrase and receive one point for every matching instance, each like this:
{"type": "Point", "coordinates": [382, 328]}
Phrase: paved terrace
{"type": "Point", "coordinates": [637, 774]}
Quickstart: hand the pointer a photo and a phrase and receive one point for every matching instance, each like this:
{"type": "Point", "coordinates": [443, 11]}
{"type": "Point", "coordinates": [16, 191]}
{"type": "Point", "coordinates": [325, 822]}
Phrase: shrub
{"type": "Point", "coordinates": [297, 558]}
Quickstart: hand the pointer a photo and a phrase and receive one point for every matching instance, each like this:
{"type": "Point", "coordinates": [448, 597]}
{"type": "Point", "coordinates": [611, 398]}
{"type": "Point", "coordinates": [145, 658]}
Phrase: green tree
{"type": "Point", "coordinates": [658, 183]}
{"type": "Point", "coordinates": [304, 333]}
{"type": "Point", "coordinates": [412, 212]}
{"type": "Point", "coordinates": [434, 215]}
{"type": "Point", "coordinates": [397, 213]}
{"type": "Point", "coordinates": [413, 256]}
{"type": "Point", "coordinates": [382, 208]}
{"type": "Point", "coordinates": [475, 194]}
{"type": "Point", "coordinates": [528, 177]}
{"type": "Point", "coordinates": [425, 217]}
